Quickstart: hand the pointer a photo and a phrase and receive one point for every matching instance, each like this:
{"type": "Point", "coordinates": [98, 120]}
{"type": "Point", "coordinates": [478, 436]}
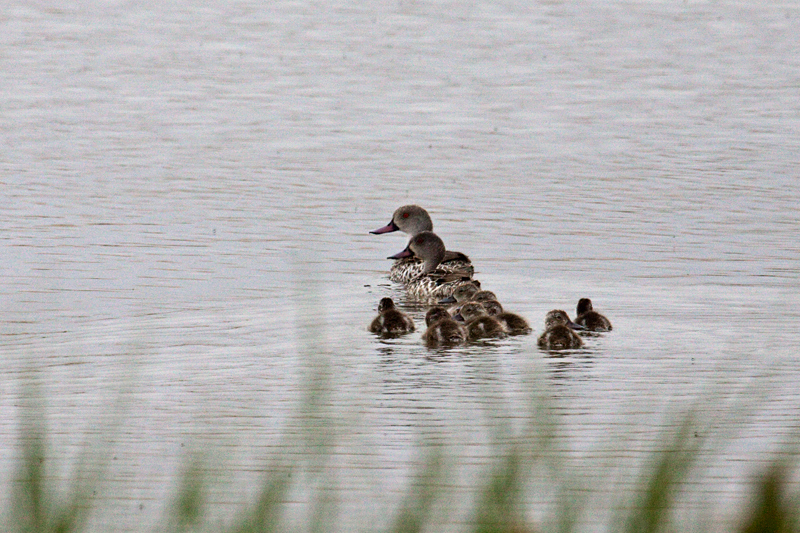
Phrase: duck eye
{"type": "Point", "coordinates": [405, 215]}
{"type": "Point", "coordinates": [419, 240]}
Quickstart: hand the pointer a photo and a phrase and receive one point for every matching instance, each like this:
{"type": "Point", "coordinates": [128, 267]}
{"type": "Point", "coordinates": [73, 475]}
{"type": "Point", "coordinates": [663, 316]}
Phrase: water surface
{"type": "Point", "coordinates": [189, 190]}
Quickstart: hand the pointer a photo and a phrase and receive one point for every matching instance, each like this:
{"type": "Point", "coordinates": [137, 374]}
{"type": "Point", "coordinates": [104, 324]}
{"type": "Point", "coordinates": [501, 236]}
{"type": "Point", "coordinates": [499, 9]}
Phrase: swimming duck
{"type": "Point", "coordinates": [432, 280]}
{"type": "Point", "coordinates": [442, 329]}
{"type": "Point", "coordinates": [484, 296]}
{"type": "Point", "coordinates": [558, 334]}
{"type": "Point", "coordinates": [390, 320]}
{"type": "Point", "coordinates": [480, 325]}
{"type": "Point", "coordinates": [589, 318]}
{"type": "Point", "coordinates": [493, 307]}
{"type": "Point", "coordinates": [513, 323]}
{"type": "Point", "coordinates": [413, 219]}
{"type": "Point", "coordinates": [469, 292]}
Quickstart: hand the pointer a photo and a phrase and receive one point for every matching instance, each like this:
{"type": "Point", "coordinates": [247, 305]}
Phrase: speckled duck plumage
{"type": "Point", "coordinates": [432, 281]}
{"type": "Point", "coordinates": [410, 268]}
{"type": "Point", "coordinates": [413, 220]}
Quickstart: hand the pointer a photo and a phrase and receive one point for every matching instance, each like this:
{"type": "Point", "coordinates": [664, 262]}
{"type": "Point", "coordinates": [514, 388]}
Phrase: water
{"type": "Point", "coordinates": [188, 190]}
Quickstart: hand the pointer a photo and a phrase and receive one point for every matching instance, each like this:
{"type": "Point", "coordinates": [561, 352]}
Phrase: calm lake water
{"type": "Point", "coordinates": [188, 189]}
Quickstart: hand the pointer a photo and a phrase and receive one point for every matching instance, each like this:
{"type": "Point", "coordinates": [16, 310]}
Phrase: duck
{"type": "Point", "coordinates": [589, 318]}
{"type": "Point", "coordinates": [432, 280]}
{"type": "Point", "coordinates": [413, 220]}
{"type": "Point", "coordinates": [514, 324]}
{"type": "Point", "coordinates": [559, 334]}
{"type": "Point", "coordinates": [480, 325]}
{"type": "Point", "coordinates": [469, 293]}
{"type": "Point", "coordinates": [390, 320]}
{"type": "Point", "coordinates": [442, 329]}
{"type": "Point", "coordinates": [493, 307]}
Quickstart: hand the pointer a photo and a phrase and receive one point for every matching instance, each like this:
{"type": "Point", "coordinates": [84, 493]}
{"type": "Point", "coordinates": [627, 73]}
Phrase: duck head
{"type": "Point", "coordinates": [463, 293]}
{"type": "Point", "coordinates": [411, 219]}
{"type": "Point", "coordinates": [493, 307]}
{"type": "Point", "coordinates": [426, 246]}
{"type": "Point", "coordinates": [469, 311]}
{"type": "Point", "coordinates": [436, 314]}
{"type": "Point", "coordinates": [557, 317]}
{"type": "Point", "coordinates": [385, 304]}
{"type": "Point", "coordinates": [584, 306]}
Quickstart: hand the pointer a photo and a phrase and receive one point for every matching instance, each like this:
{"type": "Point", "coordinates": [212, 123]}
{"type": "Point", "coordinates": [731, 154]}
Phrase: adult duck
{"type": "Point", "coordinates": [589, 318]}
{"type": "Point", "coordinates": [390, 320]}
{"type": "Point", "coordinates": [559, 334]}
{"type": "Point", "coordinates": [430, 277]}
{"type": "Point", "coordinates": [413, 219]}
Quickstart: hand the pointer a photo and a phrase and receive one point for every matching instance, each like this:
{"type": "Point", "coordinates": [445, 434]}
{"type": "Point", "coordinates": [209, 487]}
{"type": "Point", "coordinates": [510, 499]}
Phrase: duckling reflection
{"type": "Point", "coordinates": [480, 325]}
{"type": "Point", "coordinates": [442, 329]}
{"type": "Point", "coordinates": [559, 334]}
{"type": "Point", "coordinates": [390, 320]}
{"type": "Point", "coordinates": [589, 318]}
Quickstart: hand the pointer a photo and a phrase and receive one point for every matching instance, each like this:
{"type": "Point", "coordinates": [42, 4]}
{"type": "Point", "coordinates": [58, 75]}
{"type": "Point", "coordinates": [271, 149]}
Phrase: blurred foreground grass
{"type": "Point", "coordinates": [37, 505]}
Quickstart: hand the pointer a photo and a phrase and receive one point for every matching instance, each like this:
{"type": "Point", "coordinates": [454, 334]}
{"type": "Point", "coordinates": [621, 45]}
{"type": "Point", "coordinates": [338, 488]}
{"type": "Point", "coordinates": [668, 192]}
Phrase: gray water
{"type": "Point", "coordinates": [188, 190]}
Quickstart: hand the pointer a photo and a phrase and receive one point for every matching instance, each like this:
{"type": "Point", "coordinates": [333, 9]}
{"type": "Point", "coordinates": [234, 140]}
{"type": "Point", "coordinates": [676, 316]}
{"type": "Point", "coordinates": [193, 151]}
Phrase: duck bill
{"type": "Point", "coordinates": [388, 228]}
{"type": "Point", "coordinates": [573, 325]}
{"type": "Point", "coordinates": [458, 317]}
{"type": "Point", "coordinates": [449, 300]}
{"type": "Point", "coordinates": [400, 255]}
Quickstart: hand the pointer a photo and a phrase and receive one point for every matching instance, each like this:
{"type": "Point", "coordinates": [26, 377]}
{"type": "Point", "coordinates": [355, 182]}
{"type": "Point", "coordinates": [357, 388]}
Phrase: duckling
{"type": "Point", "coordinates": [442, 329]}
{"type": "Point", "coordinates": [492, 307]}
{"type": "Point", "coordinates": [468, 293]}
{"type": "Point", "coordinates": [432, 279]}
{"type": "Point", "coordinates": [484, 296]}
{"type": "Point", "coordinates": [589, 318]}
{"type": "Point", "coordinates": [435, 314]}
{"type": "Point", "coordinates": [479, 324]}
{"type": "Point", "coordinates": [390, 320]}
{"type": "Point", "coordinates": [514, 324]}
{"type": "Point", "coordinates": [558, 334]}
{"type": "Point", "coordinates": [461, 295]}
{"type": "Point", "coordinates": [413, 219]}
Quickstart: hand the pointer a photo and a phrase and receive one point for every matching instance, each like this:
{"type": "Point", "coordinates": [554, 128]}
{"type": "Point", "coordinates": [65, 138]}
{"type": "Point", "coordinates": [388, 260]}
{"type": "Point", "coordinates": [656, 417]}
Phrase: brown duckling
{"type": "Point", "coordinates": [513, 323]}
{"type": "Point", "coordinates": [589, 318]}
{"type": "Point", "coordinates": [559, 334]}
{"type": "Point", "coordinates": [442, 329]}
{"type": "Point", "coordinates": [480, 325]}
{"type": "Point", "coordinates": [390, 320]}
{"type": "Point", "coordinates": [469, 292]}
